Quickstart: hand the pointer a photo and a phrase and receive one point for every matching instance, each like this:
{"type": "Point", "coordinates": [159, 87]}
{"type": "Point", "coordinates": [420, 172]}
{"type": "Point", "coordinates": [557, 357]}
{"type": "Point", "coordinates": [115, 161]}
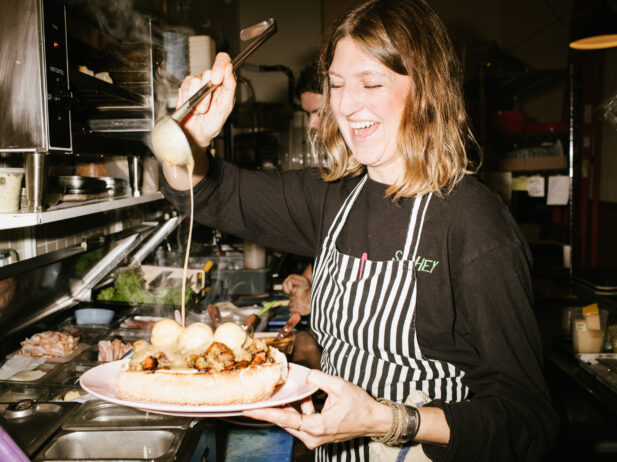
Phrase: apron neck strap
{"type": "Point", "coordinates": [416, 222]}
{"type": "Point", "coordinates": [343, 213]}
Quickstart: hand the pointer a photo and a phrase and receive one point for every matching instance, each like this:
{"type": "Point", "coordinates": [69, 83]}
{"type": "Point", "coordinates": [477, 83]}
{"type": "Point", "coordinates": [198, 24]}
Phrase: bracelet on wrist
{"type": "Point", "coordinates": [411, 423]}
{"type": "Point", "coordinates": [389, 437]}
{"type": "Point", "coordinates": [405, 423]}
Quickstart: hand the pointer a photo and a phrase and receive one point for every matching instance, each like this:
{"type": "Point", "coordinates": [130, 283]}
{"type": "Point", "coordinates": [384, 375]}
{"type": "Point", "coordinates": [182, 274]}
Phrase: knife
{"type": "Point", "coordinates": [213, 311]}
{"type": "Point", "coordinates": [252, 318]}
{"type": "Point", "coordinates": [293, 320]}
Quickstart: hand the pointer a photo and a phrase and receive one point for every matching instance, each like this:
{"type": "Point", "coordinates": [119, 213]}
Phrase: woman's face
{"type": "Point", "coordinates": [368, 100]}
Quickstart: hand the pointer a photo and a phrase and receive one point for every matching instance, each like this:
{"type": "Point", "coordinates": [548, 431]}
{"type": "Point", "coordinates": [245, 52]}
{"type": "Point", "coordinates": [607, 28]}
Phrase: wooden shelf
{"type": "Point", "coordinates": [69, 210]}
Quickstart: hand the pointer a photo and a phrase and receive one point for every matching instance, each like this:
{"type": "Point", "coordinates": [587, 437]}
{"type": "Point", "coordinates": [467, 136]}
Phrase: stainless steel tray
{"type": "Point", "coordinates": [86, 334]}
{"type": "Point", "coordinates": [99, 415]}
{"type": "Point", "coordinates": [30, 424]}
{"type": "Point", "coordinates": [129, 335]}
{"type": "Point", "coordinates": [46, 369]}
{"type": "Point", "coordinates": [68, 374]}
{"type": "Point", "coordinates": [104, 445]}
{"type": "Point", "coordinates": [139, 322]}
{"type": "Point", "coordinates": [62, 393]}
{"type": "Point", "coordinates": [12, 392]}
{"type": "Point", "coordinates": [91, 355]}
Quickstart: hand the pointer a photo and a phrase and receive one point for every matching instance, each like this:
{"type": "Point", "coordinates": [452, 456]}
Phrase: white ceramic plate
{"type": "Point", "coordinates": [99, 381]}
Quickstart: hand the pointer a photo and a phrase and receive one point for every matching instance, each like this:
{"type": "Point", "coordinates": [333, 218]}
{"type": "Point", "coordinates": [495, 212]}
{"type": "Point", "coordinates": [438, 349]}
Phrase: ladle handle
{"type": "Point", "coordinates": [190, 103]}
{"type": "Point", "coordinates": [208, 88]}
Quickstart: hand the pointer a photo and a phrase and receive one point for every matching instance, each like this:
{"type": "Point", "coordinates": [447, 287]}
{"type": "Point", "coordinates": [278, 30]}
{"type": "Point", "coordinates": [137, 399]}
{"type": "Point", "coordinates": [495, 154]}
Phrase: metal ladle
{"type": "Point", "coordinates": [168, 140]}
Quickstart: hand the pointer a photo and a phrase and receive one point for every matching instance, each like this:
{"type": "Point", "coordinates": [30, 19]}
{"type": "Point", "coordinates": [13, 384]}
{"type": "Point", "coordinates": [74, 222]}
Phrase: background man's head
{"type": "Point", "coordinates": [309, 92]}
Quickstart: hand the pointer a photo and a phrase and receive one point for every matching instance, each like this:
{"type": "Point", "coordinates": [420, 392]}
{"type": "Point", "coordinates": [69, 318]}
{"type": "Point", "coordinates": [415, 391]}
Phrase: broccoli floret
{"type": "Point", "coordinates": [107, 294]}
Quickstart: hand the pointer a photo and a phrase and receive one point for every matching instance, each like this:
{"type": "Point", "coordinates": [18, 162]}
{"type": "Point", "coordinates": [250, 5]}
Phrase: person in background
{"type": "Point", "coordinates": [310, 93]}
{"type": "Point", "coordinates": [422, 298]}
{"type": "Point", "coordinates": [298, 288]}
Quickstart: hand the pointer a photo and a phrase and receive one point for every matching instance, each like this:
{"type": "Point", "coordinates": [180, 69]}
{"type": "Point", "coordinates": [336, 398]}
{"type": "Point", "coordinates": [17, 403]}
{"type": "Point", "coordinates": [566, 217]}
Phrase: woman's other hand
{"type": "Point", "coordinates": [349, 412]}
{"type": "Point", "coordinates": [298, 288]}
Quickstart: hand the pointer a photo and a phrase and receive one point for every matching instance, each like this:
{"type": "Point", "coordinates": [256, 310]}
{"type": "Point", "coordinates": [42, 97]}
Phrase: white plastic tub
{"type": "Point", "coordinates": [10, 189]}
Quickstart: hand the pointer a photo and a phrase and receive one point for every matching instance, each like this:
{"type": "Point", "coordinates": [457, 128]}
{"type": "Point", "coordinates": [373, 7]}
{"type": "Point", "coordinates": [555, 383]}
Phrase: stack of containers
{"type": "Point", "coordinates": [201, 52]}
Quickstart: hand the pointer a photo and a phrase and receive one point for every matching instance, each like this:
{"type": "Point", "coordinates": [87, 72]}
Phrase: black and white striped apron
{"type": "Point", "coordinates": [363, 316]}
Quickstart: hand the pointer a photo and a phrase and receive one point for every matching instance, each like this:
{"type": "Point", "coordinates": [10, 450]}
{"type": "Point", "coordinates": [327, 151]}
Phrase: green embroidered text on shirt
{"type": "Point", "coordinates": [425, 265]}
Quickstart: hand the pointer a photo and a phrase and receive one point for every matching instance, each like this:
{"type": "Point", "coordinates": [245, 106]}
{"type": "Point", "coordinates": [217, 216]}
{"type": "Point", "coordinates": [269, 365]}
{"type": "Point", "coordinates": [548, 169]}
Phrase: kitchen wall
{"type": "Point", "coordinates": [297, 39]}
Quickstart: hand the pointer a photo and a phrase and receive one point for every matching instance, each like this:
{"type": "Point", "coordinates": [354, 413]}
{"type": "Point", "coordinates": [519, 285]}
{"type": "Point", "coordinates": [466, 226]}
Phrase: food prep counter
{"type": "Point", "coordinates": [42, 405]}
{"type": "Point", "coordinates": [51, 418]}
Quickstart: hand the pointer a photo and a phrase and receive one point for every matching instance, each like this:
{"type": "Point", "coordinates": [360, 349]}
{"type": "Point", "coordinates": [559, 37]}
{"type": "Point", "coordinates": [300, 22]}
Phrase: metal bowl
{"type": "Point", "coordinates": [77, 185]}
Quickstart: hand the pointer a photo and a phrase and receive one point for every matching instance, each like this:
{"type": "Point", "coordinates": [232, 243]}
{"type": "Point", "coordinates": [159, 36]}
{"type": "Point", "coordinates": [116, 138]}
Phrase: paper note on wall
{"type": "Point", "coordinates": [535, 186]}
{"type": "Point", "coordinates": [558, 190]}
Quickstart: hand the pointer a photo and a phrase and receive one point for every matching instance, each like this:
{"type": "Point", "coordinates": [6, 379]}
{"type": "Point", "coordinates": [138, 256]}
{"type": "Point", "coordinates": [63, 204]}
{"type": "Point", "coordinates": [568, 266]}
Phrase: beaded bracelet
{"type": "Point", "coordinates": [389, 437]}
{"type": "Point", "coordinates": [405, 423]}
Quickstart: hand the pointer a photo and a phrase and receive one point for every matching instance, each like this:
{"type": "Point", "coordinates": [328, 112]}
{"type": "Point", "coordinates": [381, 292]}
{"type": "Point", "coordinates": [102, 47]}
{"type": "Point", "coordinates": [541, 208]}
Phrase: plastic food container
{"type": "Point", "coordinates": [10, 189]}
{"type": "Point", "coordinates": [586, 337]}
{"type": "Point", "coordinates": [93, 316]}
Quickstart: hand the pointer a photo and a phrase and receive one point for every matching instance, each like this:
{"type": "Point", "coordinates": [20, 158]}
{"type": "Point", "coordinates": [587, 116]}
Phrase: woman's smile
{"type": "Point", "coordinates": [363, 130]}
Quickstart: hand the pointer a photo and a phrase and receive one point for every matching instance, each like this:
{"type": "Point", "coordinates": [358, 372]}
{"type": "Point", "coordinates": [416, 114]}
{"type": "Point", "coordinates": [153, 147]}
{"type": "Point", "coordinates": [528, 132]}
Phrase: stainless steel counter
{"type": "Point", "coordinates": [35, 414]}
{"type": "Point", "coordinates": [48, 428]}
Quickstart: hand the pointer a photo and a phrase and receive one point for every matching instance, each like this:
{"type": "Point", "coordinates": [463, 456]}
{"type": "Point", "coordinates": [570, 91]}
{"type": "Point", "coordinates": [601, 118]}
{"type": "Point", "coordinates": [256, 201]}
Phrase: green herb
{"type": "Point", "coordinates": [129, 287]}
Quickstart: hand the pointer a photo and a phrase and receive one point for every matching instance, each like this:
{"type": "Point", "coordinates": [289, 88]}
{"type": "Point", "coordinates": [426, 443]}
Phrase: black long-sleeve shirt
{"type": "Point", "coordinates": [474, 306]}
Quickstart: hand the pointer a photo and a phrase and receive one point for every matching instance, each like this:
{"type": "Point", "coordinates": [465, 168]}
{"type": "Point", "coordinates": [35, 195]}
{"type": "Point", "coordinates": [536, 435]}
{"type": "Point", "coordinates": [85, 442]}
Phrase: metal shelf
{"type": "Point", "coordinates": [69, 210]}
{"type": "Point", "coordinates": [527, 164]}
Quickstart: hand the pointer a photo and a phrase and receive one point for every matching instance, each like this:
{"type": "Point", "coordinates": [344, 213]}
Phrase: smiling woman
{"type": "Point", "coordinates": [421, 295]}
{"type": "Point", "coordinates": [367, 100]}
{"type": "Point", "coordinates": [431, 129]}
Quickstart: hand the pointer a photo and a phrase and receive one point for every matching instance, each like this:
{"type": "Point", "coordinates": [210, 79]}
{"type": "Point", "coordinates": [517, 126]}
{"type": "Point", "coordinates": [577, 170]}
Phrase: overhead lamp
{"type": "Point", "coordinates": [597, 29]}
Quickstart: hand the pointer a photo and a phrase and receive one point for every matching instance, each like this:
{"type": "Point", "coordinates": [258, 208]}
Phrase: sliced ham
{"type": "Point", "coordinates": [49, 344]}
{"type": "Point", "coordinates": [112, 350]}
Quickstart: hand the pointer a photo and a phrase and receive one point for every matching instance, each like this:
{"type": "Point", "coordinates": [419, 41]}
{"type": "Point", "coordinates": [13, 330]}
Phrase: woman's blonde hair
{"type": "Point", "coordinates": [408, 37]}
